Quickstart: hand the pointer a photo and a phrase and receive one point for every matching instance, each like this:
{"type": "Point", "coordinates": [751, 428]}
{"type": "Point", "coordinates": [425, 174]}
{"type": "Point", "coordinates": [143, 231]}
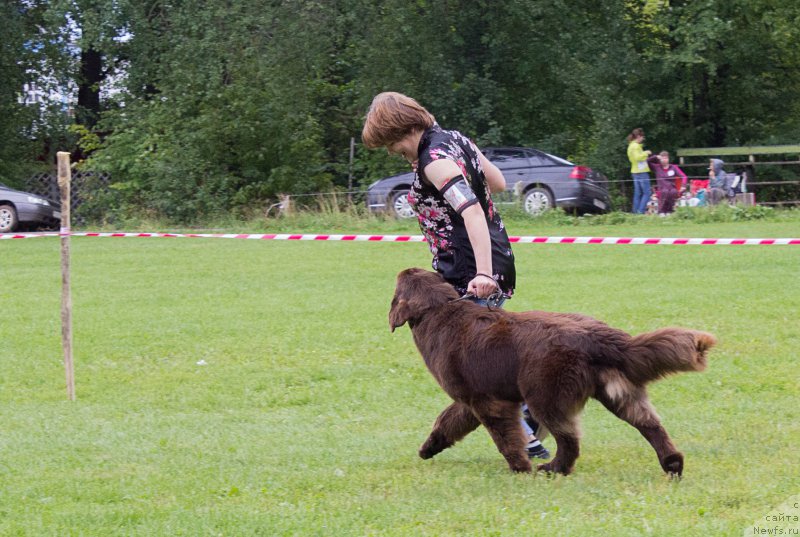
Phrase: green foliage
{"type": "Point", "coordinates": [727, 213]}
{"type": "Point", "coordinates": [222, 106]}
{"type": "Point", "coordinates": [23, 129]}
{"type": "Point", "coordinates": [88, 141]}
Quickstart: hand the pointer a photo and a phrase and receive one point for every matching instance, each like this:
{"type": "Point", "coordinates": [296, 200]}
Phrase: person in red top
{"type": "Point", "coordinates": [670, 180]}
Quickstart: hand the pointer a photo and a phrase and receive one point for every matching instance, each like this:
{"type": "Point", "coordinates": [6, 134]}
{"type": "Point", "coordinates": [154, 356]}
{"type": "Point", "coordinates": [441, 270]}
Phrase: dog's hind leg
{"type": "Point", "coordinates": [634, 407]}
{"type": "Point", "coordinates": [453, 424]}
{"type": "Point", "coordinates": [502, 420]}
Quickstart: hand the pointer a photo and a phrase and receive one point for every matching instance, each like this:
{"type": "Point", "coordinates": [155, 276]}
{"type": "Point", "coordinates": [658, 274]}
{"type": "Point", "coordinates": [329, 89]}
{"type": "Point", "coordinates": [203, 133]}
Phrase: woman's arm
{"type": "Point", "coordinates": [682, 175]}
{"type": "Point", "coordinates": [439, 172]}
{"type": "Point", "coordinates": [478, 232]}
{"type": "Point", "coordinates": [494, 177]}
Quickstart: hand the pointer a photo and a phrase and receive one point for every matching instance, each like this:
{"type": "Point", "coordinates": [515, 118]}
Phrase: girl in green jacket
{"type": "Point", "coordinates": [639, 171]}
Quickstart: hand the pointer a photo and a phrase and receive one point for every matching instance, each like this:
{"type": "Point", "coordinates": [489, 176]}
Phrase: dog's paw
{"type": "Point", "coordinates": [426, 453]}
{"type": "Point", "coordinates": [551, 468]}
{"type": "Point", "coordinates": [433, 445]}
{"type": "Point", "coordinates": [673, 465]}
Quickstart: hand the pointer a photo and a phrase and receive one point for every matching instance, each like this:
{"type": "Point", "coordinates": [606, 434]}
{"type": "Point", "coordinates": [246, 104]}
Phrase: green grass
{"type": "Point", "coordinates": [306, 417]}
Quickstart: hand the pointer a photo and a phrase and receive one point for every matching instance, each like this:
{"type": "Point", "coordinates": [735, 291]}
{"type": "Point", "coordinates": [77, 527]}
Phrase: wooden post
{"type": "Point", "coordinates": [285, 207]}
{"type": "Point", "coordinates": [64, 179]}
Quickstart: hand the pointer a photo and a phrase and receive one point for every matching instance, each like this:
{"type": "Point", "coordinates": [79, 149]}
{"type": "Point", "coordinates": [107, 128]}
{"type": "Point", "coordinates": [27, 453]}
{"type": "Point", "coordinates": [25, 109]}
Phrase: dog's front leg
{"type": "Point", "coordinates": [453, 424]}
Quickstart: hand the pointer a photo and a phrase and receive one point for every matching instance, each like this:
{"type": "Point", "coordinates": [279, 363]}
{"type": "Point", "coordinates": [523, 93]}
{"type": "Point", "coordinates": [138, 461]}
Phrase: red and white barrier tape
{"type": "Point", "coordinates": [420, 238]}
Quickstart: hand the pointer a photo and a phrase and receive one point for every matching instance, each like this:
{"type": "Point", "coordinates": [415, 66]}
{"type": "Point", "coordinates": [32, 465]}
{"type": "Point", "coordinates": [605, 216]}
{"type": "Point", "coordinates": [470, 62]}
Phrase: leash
{"type": "Point", "coordinates": [490, 300]}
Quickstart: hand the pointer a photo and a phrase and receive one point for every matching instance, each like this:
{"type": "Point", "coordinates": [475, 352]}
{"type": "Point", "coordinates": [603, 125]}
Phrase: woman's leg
{"type": "Point", "coordinates": [644, 187]}
{"type": "Point", "coordinates": [636, 193]}
{"type": "Point", "coordinates": [666, 203]}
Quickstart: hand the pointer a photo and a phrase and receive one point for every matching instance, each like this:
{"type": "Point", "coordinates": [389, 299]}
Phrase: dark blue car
{"type": "Point", "coordinates": [538, 180]}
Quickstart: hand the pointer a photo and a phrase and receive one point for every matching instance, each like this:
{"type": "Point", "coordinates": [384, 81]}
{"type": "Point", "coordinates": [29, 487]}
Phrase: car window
{"type": "Point", "coordinates": [539, 160]}
{"type": "Point", "coordinates": [507, 154]}
{"type": "Point", "coordinates": [512, 157]}
{"type": "Point", "coordinates": [558, 160]}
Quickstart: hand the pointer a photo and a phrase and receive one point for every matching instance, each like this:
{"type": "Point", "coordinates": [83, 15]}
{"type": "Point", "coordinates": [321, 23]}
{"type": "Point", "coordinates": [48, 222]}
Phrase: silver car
{"type": "Point", "coordinates": [25, 210]}
{"type": "Point", "coordinates": [538, 180]}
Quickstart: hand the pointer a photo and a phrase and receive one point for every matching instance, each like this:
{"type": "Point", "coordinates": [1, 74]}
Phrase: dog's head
{"type": "Point", "coordinates": [417, 291]}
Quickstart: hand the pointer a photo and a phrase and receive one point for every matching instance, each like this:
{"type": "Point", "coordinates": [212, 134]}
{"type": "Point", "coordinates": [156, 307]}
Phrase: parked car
{"type": "Point", "coordinates": [538, 180]}
{"type": "Point", "coordinates": [23, 209]}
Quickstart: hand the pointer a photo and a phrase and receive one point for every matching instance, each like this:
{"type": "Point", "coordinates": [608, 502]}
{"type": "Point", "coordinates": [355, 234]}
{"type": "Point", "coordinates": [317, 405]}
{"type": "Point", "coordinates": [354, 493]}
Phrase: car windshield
{"type": "Point", "coordinates": [560, 160]}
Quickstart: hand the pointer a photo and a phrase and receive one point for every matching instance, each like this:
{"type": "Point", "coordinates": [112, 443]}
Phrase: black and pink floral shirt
{"type": "Point", "coordinates": [443, 228]}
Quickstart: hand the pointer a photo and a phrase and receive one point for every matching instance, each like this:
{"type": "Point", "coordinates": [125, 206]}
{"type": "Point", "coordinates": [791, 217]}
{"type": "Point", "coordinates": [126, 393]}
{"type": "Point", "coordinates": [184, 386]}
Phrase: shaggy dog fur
{"type": "Point", "coordinates": [490, 360]}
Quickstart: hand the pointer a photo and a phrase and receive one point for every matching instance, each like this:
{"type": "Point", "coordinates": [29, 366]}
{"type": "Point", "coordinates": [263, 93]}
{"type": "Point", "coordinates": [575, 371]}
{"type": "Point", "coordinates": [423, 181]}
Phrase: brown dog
{"type": "Point", "coordinates": [490, 360]}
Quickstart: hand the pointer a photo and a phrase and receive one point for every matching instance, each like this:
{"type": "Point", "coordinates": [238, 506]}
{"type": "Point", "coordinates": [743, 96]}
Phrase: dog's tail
{"type": "Point", "coordinates": [654, 355]}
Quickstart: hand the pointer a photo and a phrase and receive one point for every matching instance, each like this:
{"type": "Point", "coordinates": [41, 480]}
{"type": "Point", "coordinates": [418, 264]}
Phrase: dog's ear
{"type": "Point", "coordinates": [399, 313]}
{"type": "Point", "coordinates": [402, 308]}
{"type": "Point", "coordinates": [415, 294]}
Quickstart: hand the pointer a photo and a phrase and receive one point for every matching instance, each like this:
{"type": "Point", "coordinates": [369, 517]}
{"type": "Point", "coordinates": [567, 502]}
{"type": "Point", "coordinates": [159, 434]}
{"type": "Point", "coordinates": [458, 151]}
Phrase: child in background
{"type": "Point", "coordinates": [668, 177]}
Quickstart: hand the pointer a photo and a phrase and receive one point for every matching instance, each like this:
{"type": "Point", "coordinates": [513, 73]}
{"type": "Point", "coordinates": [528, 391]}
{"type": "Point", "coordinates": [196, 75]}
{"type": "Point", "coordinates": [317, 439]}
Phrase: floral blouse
{"type": "Point", "coordinates": [443, 227]}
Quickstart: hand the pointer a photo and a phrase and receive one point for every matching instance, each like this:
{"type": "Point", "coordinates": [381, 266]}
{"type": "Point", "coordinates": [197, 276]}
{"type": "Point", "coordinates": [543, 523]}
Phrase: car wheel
{"type": "Point", "coordinates": [8, 219]}
{"type": "Point", "coordinates": [400, 205]}
{"type": "Point", "coordinates": [537, 201]}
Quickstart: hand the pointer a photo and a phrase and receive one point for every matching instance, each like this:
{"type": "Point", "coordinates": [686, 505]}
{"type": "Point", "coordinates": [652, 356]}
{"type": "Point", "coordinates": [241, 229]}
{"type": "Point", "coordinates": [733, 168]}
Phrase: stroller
{"type": "Point", "coordinates": [696, 195]}
{"type": "Point", "coordinates": [739, 182]}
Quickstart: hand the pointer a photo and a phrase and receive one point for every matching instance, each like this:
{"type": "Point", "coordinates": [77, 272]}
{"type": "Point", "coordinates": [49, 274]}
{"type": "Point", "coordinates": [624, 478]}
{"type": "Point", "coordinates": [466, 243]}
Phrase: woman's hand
{"type": "Point", "coordinates": [482, 285]}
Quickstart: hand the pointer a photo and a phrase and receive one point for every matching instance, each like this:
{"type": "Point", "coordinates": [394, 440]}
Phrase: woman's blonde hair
{"type": "Point", "coordinates": [391, 117]}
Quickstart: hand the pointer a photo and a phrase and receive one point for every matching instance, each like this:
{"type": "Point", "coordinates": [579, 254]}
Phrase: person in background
{"type": "Point", "coordinates": [451, 196]}
{"type": "Point", "coordinates": [639, 171]}
{"type": "Point", "coordinates": [719, 183]}
{"type": "Point", "coordinates": [670, 181]}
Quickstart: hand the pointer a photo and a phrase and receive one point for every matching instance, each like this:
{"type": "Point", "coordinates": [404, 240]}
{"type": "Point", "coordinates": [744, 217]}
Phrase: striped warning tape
{"type": "Point", "coordinates": [420, 238]}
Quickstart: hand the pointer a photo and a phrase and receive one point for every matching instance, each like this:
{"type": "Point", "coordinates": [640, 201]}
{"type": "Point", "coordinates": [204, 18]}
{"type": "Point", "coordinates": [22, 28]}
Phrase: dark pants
{"type": "Point", "coordinates": [666, 200]}
{"type": "Point", "coordinates": [716, 195]}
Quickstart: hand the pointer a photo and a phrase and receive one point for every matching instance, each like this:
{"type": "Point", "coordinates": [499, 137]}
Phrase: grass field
{"type": "Point", "coordinates": [230, 387]}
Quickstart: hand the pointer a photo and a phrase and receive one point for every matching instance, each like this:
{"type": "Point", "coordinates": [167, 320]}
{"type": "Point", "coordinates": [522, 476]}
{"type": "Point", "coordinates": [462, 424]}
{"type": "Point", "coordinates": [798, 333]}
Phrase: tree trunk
{"type": "Point", "coordinates": [89, 87]}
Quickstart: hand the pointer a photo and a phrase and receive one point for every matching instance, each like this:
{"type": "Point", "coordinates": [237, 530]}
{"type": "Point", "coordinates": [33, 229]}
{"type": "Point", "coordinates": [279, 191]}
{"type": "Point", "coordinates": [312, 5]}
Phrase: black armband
{"type": "Point", "coordinates": [458, 194]}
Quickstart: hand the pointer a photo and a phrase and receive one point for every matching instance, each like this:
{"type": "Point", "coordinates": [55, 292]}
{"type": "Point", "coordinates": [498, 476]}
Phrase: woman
{"type": "Point", "coordinates": [670, 181]}
{"type": "Point", "coordinates": [719, 183]}
{"type": "Point", "coordinates": [451, 196]}
{"type": "Point", "coordinates": [641, 178]}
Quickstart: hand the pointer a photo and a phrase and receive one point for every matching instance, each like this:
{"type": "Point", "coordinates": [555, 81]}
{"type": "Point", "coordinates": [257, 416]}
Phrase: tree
{"type": "Point", "coordinates": [217, 105]}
